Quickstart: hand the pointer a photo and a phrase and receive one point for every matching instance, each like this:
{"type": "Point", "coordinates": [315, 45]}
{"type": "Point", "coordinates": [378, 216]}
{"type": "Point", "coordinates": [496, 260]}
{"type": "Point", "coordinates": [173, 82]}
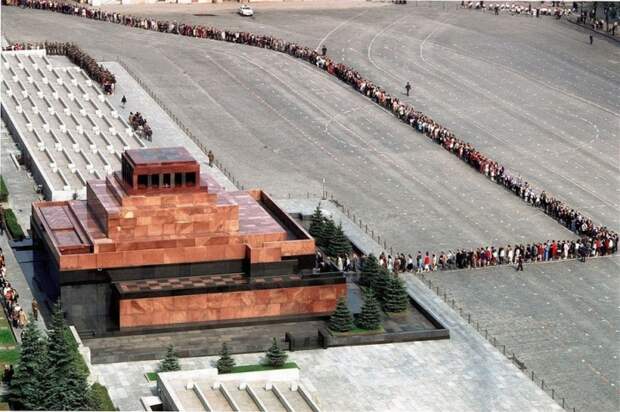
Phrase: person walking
{"type": "Point", "coordinates": [407, 88]}
{"type": "Point", "coordinates": [123, 101]}
{"type": "Point", "coordinates": [591, 39]}
{"type": "Point", "coordinates": [211, 157]}
{"type": "Point", "coordinates": [35, 309]}
{"type": "Point", "coordinates": [520, 263]}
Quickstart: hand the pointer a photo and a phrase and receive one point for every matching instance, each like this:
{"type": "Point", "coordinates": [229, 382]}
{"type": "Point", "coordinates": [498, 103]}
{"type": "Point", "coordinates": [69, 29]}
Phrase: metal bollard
{"type": "Point", "coordinates": [563, 402]}
{"type": "Point", "coordinates": [552, 393]}
{"type": "Point", "coordinates": [469, 318]}
{"type": "Point", "coordinates": [533, 380]}
{"type": "Point", "coordinates": [542, 384]}
{"type": "Point", "coordinates": [486, 333]}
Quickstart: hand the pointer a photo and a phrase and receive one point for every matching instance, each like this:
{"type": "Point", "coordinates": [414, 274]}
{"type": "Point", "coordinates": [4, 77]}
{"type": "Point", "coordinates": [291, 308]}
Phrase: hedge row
{"type": "Point", "coordinates": [101, 398]}
{"type": "Point", "coordinates": [12, 225]}
{"type": "Point", "coordinates": [4, 192]}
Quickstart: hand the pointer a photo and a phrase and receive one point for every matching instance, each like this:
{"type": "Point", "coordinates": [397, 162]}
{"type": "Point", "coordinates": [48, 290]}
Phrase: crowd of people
{"type": "Point", "coordinates": [519, 9]}
{"type": "Point", "coordinates": [78, 57]}
{"type": "Point", "coordinates": [10, 299]}
{"type": "Point", "coordinates": [517, 254]}
{"type": "Point", "coordinates": [423, 123]}
{"type": "Point", "coordinates": [139, 125]}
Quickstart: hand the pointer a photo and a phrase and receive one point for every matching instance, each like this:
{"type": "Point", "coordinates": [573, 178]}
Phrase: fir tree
{"type": "Point", "coordinates": [27, 391]}
{"type": "Point", "coordinates": [395, 298]}
{"type": "Point", "coordinates": [370, 271]}
{"type": "Point", "coordinates": [339, 244]}
{"type": "Point", "coordinates": [370, 317]}
{"type": "Point", "coordinates": [225, 363]}
{"type": "Point", "coordinates": [66, 388]}
{"type": "Point", "coordinates": [341, 320]}
{"type": "Point", "coordinates": [381, 284]}
{"type": "Point", "coordinates": [327, 233]}
{"type": "Point", "coordinates": [170, 362]}
{"type": "Point", "coordinates": [275, 356]}
{"type": "Point", "coordinates": [316, 224]}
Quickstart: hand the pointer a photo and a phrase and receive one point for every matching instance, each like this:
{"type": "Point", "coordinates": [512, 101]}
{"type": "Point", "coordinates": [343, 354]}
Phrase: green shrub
{"type": "Point", "coordinates": [4, 192]}
{"type": "Point", "coordinates": [100, 398]}
{"type": "Point", "coordinates": [12, 226]}
{"type": "Point", "coordinates": [79, 362]}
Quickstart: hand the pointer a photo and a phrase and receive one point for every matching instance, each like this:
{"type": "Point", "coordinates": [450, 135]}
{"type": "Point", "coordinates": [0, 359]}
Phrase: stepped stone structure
{"type": "Point", "coordinates": [66, 128]}
{"type": "Point", "coordinates": [161, 244]}
{"type": "Point", "coordinates": [206, 390]}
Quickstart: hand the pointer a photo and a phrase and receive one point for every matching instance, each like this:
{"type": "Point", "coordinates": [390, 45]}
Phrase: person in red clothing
{"type": "Point", "coordinates": [554, 250]}
{"type": "Point", "coordinates": [427, 263]}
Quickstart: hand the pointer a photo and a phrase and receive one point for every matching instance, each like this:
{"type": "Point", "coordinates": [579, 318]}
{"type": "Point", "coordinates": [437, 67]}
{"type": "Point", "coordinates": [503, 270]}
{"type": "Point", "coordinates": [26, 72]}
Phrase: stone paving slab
{"type": "Point", "coordinates": [561, 319]}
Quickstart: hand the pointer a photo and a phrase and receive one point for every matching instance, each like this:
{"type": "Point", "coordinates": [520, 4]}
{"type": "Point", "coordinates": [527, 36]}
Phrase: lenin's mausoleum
{"type": "Point", "coordinates": [160, 244]}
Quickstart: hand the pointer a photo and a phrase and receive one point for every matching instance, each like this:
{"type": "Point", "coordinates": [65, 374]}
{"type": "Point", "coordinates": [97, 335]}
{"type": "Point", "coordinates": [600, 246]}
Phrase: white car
{"type": "Point", "coordinates": [246, 10]}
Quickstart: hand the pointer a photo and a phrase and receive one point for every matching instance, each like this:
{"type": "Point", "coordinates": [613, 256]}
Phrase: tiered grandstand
{"type": "Point", "coordinates": [67, 129]}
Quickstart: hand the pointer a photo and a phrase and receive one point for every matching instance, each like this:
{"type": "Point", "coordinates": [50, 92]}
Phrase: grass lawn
{"type": "Point", "coordinates": [6, 337]}
{"type": "Point", "coordinates": [258, 368]}
{"type": "Point", "coordinates": [151, 376]}
{"type": "Point", "coordinates": [7, 356]}
{"type": "Point", "coordinates": [358, 331]}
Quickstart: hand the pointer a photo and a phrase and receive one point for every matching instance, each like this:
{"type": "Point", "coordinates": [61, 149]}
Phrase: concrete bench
{"type": "Point", "coordinates": [65, 181]}
{"type": "Point", "coordinates": [27, 120]}
{"type": "Point", "coordinates": [51, 160]}
{"type": "Point", "coordinates": [74, 142]}
{"type": "Point", "coordinates": [17, 103]}
{"type": "Point", "coordinates": [38, 89]}
{"type": "Point", "coordinates": [29, 77]}
{"type": "Point", "coordinates": [40, 142]}
{"type": "Point", "coordinates": [91, 142]}
{"type": "Point", "coordinates": [56, 139]}
{"type": "Point", "coordinates": [80, 177]}
{"type": "Point", "coordinates": [89, 165]}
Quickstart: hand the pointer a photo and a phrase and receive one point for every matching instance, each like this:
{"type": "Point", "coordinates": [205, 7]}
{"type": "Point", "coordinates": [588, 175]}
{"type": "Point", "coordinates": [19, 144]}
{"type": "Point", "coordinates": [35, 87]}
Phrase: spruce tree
{"type": "Point", "coordinates": [339, 244]}
{"type": "Point", "coordinates": [275, 356]}
{"type": "Point", "coordinates": [316, 224]}
{"type": "Point", "coordinates": [170, 362]}
{"type": "Point", "coordinates": [341, 320]}
{"type": "Point", "coordinates": [327, 234]}
{"type": "Point", "coordinates": [225, 363]}
{"type": "Point", "coordinates": [396, 298]}
{"type": "Point", "coordinates": [27, 391]}
{"type": "Point", "coordinates": [381, 284]}
{"type": "Point", "coordinates": [66, 388]}
{"type": "Point", "coordinates": [370, 317]}
{"type": "Point", "coordinates": [370, 271]}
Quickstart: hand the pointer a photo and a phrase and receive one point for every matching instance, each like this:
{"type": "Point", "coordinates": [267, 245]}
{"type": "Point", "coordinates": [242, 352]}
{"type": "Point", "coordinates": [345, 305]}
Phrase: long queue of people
{"type": "Point", "coordinates": [564, 214]}
{"type": "Point", "coordinates": [517, 255]}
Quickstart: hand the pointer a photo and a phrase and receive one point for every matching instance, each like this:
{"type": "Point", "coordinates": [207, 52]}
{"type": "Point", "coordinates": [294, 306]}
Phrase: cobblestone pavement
{"type": "Point", "coordinates": [560, 318]}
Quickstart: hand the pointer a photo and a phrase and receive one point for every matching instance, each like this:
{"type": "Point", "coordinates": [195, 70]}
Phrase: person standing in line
{"type": "Point", "coordinates": [520, 263]}
{"type": "Point", "coordinates": [211, 157]}
{"type": "Point", "coordinates": [324, 50]}
{"type": "Point", "coordinates": [35, 309]}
